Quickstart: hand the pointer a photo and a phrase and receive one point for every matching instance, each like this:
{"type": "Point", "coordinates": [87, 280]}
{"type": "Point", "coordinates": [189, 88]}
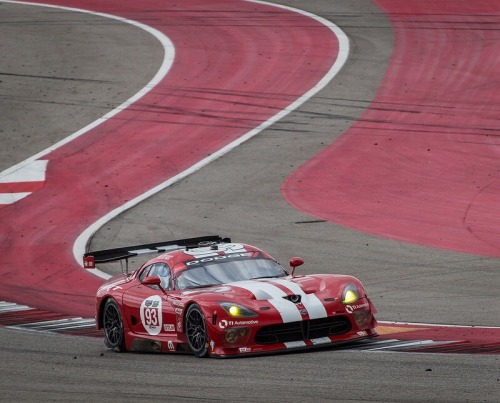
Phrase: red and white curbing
{"type": "Point", "coordinates": [22, 317]}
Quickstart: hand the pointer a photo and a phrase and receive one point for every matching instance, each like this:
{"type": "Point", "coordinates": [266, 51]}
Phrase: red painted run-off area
{"type": "Point", "coordinates": [237, 64]}
{"type": "Point", "coordinates": [422, 164]}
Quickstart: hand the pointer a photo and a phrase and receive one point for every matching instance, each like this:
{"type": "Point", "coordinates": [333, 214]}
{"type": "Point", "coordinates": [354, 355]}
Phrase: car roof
{"type": "Point", "coordinates": [178, 258]}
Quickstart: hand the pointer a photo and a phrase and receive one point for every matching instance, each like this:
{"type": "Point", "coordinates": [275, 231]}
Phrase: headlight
{"type": "Point", "coordinates": [237, 311]}
{"type": "Point", "coordinates": [350, 294]}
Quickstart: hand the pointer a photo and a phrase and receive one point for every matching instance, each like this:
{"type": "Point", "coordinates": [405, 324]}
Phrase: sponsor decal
{"type": "Point", "coordinates": [212, 344]}
{"type": "Point", "coordinates": [242, 322]}
{"type": "Point", "coordinates": [179, 325]}
{"type": "Point", "coordinates": [321, 340]}
{"type": "Point", "coordinates": [178, 311]}
{"type": "Point", "coordinates": [352, 308]}
{"type": "Point", "coordinates": [295, 344]}
{"type": "Point", "coordinates": [245, 349]}
{"type": "Point", "coordinates": [178, 303]}
{"type": "Point", "coordinates": [218, 257]}
{"type": "Point", "coordinates": [225, 323]}
{"type": "Point", "coordinates": [171, 345]}
{"type": "Point", "coordinates": [151, 315]}
{"type": "Point", "coordinates": [169, 327]}
{"type": "Point", "coordinates": [362, 333]}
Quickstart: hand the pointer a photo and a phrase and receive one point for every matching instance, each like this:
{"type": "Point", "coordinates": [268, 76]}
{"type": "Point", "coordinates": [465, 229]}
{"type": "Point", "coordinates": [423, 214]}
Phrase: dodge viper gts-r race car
{"type": "Point", "coordinates": [213, 297]}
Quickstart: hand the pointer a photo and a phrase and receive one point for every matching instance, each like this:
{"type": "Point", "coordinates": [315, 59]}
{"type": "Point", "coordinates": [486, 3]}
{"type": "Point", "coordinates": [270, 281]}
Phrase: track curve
{"type": "Point", "coordinates": [421, 164]}
{"type": "Point", "coordinates": [206, 101]}
{"type": "Point", "coordinates": [407, 283]}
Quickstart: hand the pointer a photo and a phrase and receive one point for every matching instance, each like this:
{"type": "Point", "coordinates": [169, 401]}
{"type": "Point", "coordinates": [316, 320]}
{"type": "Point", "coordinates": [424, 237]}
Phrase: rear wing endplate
{"type": "Point", "coordinates": [110, 255]}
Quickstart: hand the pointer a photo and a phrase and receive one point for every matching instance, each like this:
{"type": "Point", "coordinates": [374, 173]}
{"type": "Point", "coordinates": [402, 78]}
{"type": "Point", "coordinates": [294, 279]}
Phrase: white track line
{"type": "Point", "coordinates": [388, 323]}
{"type": "Point", "coordinates": [168, 59]}
{"type": "Point", "coordinates": [162, 72]}
{"type": "Point", "coordinates": [82, 240]}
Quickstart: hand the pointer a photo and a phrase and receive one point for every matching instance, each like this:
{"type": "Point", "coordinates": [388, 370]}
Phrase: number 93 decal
{"type": "Point", "coordinates": [151, 316]}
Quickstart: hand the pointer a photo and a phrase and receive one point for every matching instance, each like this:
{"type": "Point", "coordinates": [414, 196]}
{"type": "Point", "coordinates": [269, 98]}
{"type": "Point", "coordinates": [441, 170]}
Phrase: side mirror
{"type": "Point", "coordinates": [153, 280]}
{"type": "Point", "coordinates": [296, 262]}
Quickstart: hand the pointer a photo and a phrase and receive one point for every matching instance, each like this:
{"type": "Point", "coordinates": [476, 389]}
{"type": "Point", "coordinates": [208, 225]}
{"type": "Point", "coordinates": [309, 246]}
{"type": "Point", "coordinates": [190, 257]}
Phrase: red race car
{"type": "Point", "coordinates": [213, 297]}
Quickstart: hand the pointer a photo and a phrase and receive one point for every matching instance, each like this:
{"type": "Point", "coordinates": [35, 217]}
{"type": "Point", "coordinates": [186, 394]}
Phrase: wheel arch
{"type": "Point", "coordinates": [201, 352]}
{"type": "Point", "coordinates": [100, 311]}
{"type": "Point", "coordinates": [204, 309]}
{"type": "Point", "coordinates": [184, 314]}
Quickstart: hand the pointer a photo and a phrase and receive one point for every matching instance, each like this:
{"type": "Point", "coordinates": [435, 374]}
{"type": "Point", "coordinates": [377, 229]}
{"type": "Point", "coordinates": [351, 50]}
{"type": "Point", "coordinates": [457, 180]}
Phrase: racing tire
{"type": "Point", "coordinates": [113, 326]}
{"type": "Point", "coordinates": [196, 331]}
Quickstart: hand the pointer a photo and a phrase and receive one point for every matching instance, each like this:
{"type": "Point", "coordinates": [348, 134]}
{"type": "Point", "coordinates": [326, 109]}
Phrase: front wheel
{"type": "Point", "coordinates": [113, 326]}
{"type": "Point", "coordinates": [196, 331]}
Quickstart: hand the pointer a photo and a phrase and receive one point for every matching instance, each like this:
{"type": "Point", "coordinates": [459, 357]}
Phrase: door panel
{"type": "Point", "coordinates": [148, 311]}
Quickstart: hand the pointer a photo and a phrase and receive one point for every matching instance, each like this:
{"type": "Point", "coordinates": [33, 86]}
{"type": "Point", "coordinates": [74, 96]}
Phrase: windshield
{"type": "Point", "coordinates": [213, 273]}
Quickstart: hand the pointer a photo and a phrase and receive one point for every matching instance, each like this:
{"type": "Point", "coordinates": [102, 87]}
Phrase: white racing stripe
{"type": "Point", "coordinates": [266, 291]}
{"type": "Point", "coordinates": [312, 303]}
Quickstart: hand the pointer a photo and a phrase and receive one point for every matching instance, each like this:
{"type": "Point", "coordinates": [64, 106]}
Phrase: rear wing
{"type": "Point", "coordinates": [111, 255]}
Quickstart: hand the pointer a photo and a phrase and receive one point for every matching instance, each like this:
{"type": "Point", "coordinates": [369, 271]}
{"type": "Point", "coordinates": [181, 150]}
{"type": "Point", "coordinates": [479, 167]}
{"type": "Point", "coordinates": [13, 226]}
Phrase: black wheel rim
{"type": "Point", "coordinates": [113, 325]}
{"type": "Point", "coordinates": [196, 330]}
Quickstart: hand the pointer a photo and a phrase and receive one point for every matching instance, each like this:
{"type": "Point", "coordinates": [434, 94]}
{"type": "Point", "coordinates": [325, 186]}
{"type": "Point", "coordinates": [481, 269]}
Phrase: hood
{"type": "Point", "coordinates": [294, 298]}
{"type": "Point", "coordinates": [263, 289]}
{"type": "Point", "coordinates": [267, 289]}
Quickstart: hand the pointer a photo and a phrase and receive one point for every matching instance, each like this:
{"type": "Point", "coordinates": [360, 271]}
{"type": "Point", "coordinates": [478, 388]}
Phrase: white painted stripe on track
{"type": "Point", "coordinates": [11, 307]}
{"type": "Point", "coordinates": [162, 72]}
{"type": "Point", "coordinates": [82, 240]}
{"type": "Point", "coordinates": [388, 323]}
{"type": "Point", "coordinates": [59, 324]}
{"type": "Point", "coordinates": [398, 344]}
{"type": "Point", "coordinates": [10, 198]}
{"type": "Point", "coordinates": [31, 172]}
{"type": "Point", "coordinates": [168, 59]}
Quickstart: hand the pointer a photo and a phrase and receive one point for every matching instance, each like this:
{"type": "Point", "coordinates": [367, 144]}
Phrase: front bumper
{"type": "Point", "coordinates": [274, 337]}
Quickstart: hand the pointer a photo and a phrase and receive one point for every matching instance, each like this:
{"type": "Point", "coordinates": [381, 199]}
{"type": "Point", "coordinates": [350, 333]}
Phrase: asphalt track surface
{"type": "Point", "coordinates": [237, 195]}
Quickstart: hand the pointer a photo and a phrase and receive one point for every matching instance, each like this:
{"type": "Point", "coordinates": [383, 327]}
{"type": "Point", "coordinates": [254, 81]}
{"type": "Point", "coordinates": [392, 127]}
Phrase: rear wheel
{"type": "Point", "coordinates": [113, 326]}
{"type": "Point", "coordinates": [196, 331]}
